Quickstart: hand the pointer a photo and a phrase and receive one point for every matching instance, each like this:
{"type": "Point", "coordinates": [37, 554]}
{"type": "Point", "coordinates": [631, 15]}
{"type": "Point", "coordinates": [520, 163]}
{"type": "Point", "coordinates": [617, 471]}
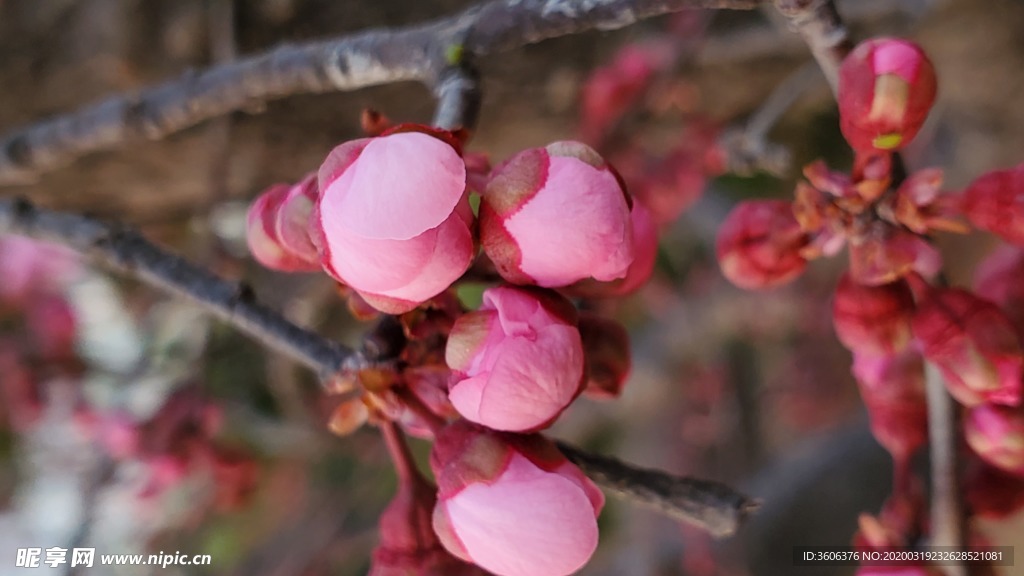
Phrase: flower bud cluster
{"type": "Point", "coordinates": [391, 217]}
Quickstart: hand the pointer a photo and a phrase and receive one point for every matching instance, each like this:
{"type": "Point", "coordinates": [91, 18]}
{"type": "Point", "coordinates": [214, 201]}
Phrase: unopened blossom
{"type": "Point", "coordinates": [608, 357]}
{"type": "Point", "coordinates": [517, 361]}
{"type": "Point", "coordinates": [893, 390]}
{"type": "Point", "coordinates": [556, 215]}
{"type": "Point", "coordinates": [973, 344]}
{"type": "Point", "coordinates": [393, 220]}
{"type": "Point", "coordinates": [994, 202]}
{"type": "Point", "coordinates": [759, 244]}
{"type": "Point", "coordinates": [873, 319]}
{"type": "Point", "coordinates": [512, 504]}
{"type": "Point", "coordinates": [886, 88]}
{"type": "Point", "coordinates": [278, 227]}
{"type": "Point", "coordinates": [996, 434]}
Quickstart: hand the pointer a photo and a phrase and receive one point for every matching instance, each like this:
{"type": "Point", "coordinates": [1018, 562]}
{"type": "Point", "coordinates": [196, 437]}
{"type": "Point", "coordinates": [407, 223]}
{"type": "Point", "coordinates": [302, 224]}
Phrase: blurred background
{"type": "Point", "coordinates": [748, 388]}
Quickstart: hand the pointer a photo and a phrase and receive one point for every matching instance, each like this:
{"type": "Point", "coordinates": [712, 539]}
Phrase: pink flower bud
{"type": "Point", "coordinates": [393, 219]}
{"type": "Point", "coordinates": [993, 202]}
{"type": "Point", "coordinates": [893, 391]}
{"type": "Point", "coordinates": [974, 345]}
{"type": "Point", "coordinates": [278, 227]}
{"type": "Point", "coordinates": [553, 216]}
{"type": "Point", "coordinates": [996, 434]}
{"type": "Point", "coordinates": [886, 89]}
{"type": "Point", "coordinates": [873, 319]}
{"type": "Point", "coordinates": [759, 244]}
{"type": "Point", "coordinates": [512, 504]}
{"type": "Point", "coordinates": [607, 353]}
{"type": "Point", "coordinates": [518, 361]}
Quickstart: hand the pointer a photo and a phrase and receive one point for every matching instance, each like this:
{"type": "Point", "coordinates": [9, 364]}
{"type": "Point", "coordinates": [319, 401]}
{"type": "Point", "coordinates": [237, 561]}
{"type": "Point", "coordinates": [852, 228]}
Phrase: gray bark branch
{"type": "Point", "coordinates": [419, 53]}
{"type": "Point", "coordinates": [712, 506]}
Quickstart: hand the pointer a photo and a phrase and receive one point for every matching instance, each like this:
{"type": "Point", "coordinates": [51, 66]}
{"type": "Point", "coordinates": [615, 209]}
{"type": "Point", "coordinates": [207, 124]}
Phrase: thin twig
{"type": "Point", "coordinates": [126, 250]}
{"type": "Point", "coordinates": [823, 30]}
{"type": "Point", "coordinates": [716, 507]}
{"type": "Point", "coordinates": [947, 511]}
{"type": "Point", "coordinates": [748, 148]}
{"type": "Point", "coordinates": [712, 506]}
{"type": "Point", "coordinates": [419, 53]}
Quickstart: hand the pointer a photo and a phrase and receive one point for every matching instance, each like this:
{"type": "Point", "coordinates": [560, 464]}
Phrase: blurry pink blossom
{"type": "Point", "coordinates": [996, 434]}
{"type": "Point", "coordinates": [759, 244]}
{"type": "Point", "coordinates": [974, 345]}
{"type": "Point", "coordinates": [514, 505]}
{"type": "Point", "coordinates": [517, 361]}
{"type": "Point", "coordinates": [994, 202]}
{"type": "Point", "coordinates": [29, 266]}
{"type": "Point", "coordinates": [892, 388]}
{"type": "Point", "coordinates": [393, 220]}
{"type": "Point", "coordinates": [556, 215]}
{"type": "Point", "coordinates": [873, 319]}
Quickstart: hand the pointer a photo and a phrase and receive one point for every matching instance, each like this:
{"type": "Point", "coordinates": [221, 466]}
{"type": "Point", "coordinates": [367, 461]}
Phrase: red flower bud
{"type": "Point", "coordinates": [759, 244]}
{"type": "Point", "coordinates": [886, 88]}
{"type": "Point", "coordinates": [994, 202]}
{"type": "Point", "coordinates": [873, 319]}
{"type": "Point", "coordinates": [974, 345]}
{"type": "Point", "coordinates": [996, 433]}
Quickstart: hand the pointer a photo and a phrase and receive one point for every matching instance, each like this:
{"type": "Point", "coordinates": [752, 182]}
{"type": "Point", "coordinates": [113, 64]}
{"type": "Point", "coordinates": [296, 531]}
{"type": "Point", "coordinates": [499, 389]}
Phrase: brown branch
{"type": "Point", "coordinates": [233, 302]}
{"type": "Point", "coordinates": [823, 30]}
{"type": "Point", "coordinates": [420, 52]}
{"type": "Point", "coordinates": [712, 506]}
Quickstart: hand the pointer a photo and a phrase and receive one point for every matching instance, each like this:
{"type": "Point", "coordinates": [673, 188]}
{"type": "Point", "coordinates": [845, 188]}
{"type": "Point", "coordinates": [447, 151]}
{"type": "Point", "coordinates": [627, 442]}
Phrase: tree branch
{"type": "Point", "coordinates": [420, 52]}
{"type": "Point", "coordinates": [712, 506]}
{"type": "Point", "coordinates": [715, 507]}
{"type": "Point", "coordinates": [947, 511]}
{"type": "Point", "coordinates": [822, 29]}
{"type": "Point", "coordinates": [233, 302]}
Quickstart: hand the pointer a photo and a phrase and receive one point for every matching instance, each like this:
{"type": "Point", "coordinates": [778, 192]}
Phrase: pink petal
{"type": "Point", "coordinates": [581, 212]}
{"type": "Point", "coordinates": [529, 523]}
{"type": "Point", "coordinates": [453, 252]}
{"type": "Point", "coordinates": [400, 186]}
